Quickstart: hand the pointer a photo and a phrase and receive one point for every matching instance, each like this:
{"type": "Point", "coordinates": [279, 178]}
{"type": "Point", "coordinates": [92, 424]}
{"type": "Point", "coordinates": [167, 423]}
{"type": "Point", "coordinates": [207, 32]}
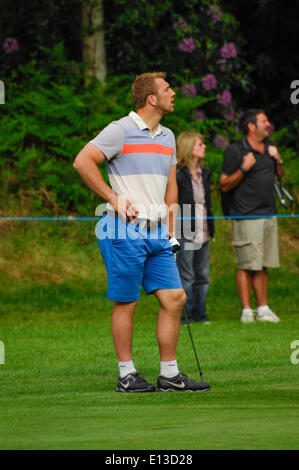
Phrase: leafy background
{"type": "Point", "coordinates": [219, 57]}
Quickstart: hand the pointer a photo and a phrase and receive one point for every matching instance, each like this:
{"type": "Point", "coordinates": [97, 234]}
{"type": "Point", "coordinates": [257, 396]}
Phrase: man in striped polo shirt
{"type": "Point", "coordinates": [136, 233]}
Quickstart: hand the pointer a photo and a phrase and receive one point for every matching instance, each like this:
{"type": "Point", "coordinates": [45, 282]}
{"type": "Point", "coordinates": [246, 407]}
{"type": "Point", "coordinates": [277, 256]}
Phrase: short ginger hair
{"type": "Point", "coordinates": [143, 86]}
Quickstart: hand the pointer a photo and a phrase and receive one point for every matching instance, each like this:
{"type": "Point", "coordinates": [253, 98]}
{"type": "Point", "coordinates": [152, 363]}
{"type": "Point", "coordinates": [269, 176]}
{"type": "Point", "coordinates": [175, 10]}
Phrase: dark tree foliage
{"type": "Point", "coordinates": [222, 56]}
{"type": "Point", "coordinates": [38, 23]}
{"type": "Point", "coordinates": [140, 35]}
{"type": "Point", "coordinates": [270, 28]}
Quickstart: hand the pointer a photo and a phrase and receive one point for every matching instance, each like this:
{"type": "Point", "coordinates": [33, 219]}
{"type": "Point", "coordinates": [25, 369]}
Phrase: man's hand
{"type": "Point", "coordinates": [126, 210]}
{"type": "Point", "coordinates": [229, 182]}
{"type": "Point", "coordinates": [248, 161]}
{"type": "Point", "coordinates": [273, 152]}
{"type": "Point", "coordinates": [175, 244]}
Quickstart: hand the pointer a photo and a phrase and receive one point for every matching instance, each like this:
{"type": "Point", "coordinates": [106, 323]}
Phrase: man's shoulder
{"type": "Point", "coordinates": [236, 145]}
{"type": "Point", "coordinates": [268, 141]}
{"type": "Point", "coordinates": [167, 131]}
{"type": "Point", "coordinates": [125, 122]}
{"type": "Point", "coordinates": [234, 150]}
{"type": "Point", "coordinates": [116, 129]}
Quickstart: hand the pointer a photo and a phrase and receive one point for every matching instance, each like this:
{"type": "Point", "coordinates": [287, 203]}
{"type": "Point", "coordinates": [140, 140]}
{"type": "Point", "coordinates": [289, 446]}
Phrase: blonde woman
{"type": "Point", "coordinates": [193, 260]}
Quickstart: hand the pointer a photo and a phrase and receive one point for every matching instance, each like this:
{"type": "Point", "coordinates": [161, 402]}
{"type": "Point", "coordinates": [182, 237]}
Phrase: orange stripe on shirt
{"type": "Point", "coordinates": [147, 148]}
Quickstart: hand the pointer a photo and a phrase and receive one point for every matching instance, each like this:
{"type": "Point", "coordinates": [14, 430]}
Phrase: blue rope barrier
{"type": "Point", "coordinates": [75, 219]}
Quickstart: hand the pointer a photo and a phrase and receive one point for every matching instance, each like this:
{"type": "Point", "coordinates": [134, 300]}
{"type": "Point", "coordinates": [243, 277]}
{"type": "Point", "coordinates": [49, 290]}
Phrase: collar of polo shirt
{"type": "Point", "coordinates": [142, 125]}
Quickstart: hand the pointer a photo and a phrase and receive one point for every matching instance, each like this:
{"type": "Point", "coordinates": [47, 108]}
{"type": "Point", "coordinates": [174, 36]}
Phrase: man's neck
{"type": "Point", "coordinates": [150, 118]}
{"type": "Point", "coordinates": [255, 142]}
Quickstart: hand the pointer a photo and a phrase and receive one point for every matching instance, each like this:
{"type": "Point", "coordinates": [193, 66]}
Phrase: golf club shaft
{"type": "Point", "coordinates": [197, 361]}
{"type": "Point", "coordinates": [287, 194]}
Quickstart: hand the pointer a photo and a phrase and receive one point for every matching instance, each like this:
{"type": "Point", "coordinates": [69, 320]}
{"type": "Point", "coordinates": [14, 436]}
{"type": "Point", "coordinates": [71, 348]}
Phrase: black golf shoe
{"type": "Point", "coordinates": [134, 383]}
{"type": "Point", "coordinates": [180, 383]}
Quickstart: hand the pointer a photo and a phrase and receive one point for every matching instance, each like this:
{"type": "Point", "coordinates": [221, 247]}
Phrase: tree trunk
{"type": "Point", "coordinates": [94, 54]}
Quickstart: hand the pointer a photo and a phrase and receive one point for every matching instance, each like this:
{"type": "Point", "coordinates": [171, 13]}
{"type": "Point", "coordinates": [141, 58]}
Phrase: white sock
{"type": "Point", "coordinates": [169, 368]}
{"type": "Point", "coordinates": [261, 309]}
{"type": "Point", "coordinates": [126, 368]}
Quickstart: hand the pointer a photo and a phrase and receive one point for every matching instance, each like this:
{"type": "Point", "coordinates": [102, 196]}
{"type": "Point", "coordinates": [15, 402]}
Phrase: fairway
{"type": "Point", "coordinates": [59, 377]}
{"type": "Point", "coordinates": [57, 389]}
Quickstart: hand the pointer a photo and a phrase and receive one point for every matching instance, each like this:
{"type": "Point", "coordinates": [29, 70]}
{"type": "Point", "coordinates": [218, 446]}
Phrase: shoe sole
{"type": "Point", "coordinates": [181, 390]}
{"type": "Point", "coordinates": [135, 391]}
{"type": "Point", "coordinates": [267, 320]}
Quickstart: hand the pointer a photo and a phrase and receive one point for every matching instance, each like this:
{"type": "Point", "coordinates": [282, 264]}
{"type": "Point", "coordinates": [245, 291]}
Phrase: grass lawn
{"type": "Point", "coordinates": [60, 371]}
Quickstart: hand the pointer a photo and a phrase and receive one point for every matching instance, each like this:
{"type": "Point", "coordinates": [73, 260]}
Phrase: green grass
{"type": "Point", "coordinates": [57, 384]}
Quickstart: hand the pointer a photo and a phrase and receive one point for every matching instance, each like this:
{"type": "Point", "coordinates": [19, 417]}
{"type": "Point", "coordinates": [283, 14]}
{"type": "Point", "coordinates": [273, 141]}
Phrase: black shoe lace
{"type": "Point", "coordinates": [138, 378]}
{"type": "Point", "coordinates": [185, 378]}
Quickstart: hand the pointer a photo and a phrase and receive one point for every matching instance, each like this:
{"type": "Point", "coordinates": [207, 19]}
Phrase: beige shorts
{"type": "Point", "coordinates": [256, 243]}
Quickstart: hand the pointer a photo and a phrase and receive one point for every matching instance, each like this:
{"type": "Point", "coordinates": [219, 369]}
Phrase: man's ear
{"type": "Point", "coordinates": [251, 126]}
{"type": "Point", "coordinates": [152, 100]}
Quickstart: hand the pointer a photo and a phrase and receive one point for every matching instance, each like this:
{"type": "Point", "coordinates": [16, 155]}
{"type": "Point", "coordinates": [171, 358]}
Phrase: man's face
{"type": "Point", "coordinates": [164, 96]}
{"type": "Point", "coordinates": [262, 126]}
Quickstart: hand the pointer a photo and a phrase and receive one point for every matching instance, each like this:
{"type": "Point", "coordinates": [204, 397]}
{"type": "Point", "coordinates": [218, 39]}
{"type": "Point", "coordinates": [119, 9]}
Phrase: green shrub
{"type": "Point", "coordinates": [50, 114]}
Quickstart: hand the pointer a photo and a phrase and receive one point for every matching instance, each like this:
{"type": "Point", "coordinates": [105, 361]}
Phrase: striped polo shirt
{"type": "Point", "coordinates": [138, 163]}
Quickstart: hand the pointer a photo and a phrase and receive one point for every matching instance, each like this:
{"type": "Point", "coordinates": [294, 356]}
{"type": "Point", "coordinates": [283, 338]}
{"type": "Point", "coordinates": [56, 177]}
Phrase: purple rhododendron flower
{"type": "Point", "coordinates": [222, 63]}
{"type": "Point", "coordinates": [199, 115]}
{"type": "Point", "coordinates": [228, 50]}
{"type": "Point", "coordinates": [225, 98]}
{"type": "Point", "coordinates": [215, 13]}
{"type": "Point", "coordinates": [187, 45]}
{"type": "Point", "coordinates": [10, 45]}
{"type": "Point", "coordinates": [209, 81]}
{"type": "Point", "coordinates": [189, 89]}
{"type": "Point", "coordinates": [230, 114]}
{"type": "Point", "coordinates": [220, 141]}
{"type": "Point", "coordinates": [181, 24]}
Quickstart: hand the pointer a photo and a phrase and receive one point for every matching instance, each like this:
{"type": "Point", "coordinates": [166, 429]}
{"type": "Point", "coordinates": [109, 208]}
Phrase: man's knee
{"type": "Point", "coordinates": [178, 298]}
{"type": "Point", "coordinates": [171, 299]}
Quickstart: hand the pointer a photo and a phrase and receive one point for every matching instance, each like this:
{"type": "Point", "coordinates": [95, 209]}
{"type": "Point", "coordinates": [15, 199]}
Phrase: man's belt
{"type": "Point", "coordinates": [143, 223]}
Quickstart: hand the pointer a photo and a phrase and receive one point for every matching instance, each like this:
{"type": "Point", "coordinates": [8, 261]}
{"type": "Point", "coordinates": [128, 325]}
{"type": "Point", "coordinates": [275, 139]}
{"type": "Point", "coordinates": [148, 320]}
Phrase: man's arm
{"type": "Point", "coordinates": [171, 200]}
{"type": "Point", "coordinates": [86, 163]}
{"type": "Point", "coordinates": [228, 182]}
{"type": "Point", "coordinates": [274, 153]}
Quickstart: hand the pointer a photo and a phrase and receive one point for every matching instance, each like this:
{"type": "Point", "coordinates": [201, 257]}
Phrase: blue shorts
{"type": "Point", "coordinates": [136, 257]}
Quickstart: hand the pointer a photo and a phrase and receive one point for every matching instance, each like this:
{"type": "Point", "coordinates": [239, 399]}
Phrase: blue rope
{"type": "Point", "coordinates": [75, 219]}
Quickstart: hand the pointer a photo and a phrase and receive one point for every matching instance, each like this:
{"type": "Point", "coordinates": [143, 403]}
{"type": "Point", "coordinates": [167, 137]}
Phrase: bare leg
{"type": "Point", "coordinates": [122, 329]}
{"type": "Point", "coordinates": [171, 302]}
{"type": "Point", "coordinates": [244, 285]}
{"type": "Point", "coordinates": [260, 286]}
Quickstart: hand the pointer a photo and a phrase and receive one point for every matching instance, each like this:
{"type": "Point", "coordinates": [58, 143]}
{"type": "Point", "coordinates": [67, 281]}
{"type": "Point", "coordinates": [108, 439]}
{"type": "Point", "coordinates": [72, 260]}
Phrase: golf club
{"type": "Point", "coordinates": [197, 361]}
{"type": "Point", "coordinates": [281, 192]}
